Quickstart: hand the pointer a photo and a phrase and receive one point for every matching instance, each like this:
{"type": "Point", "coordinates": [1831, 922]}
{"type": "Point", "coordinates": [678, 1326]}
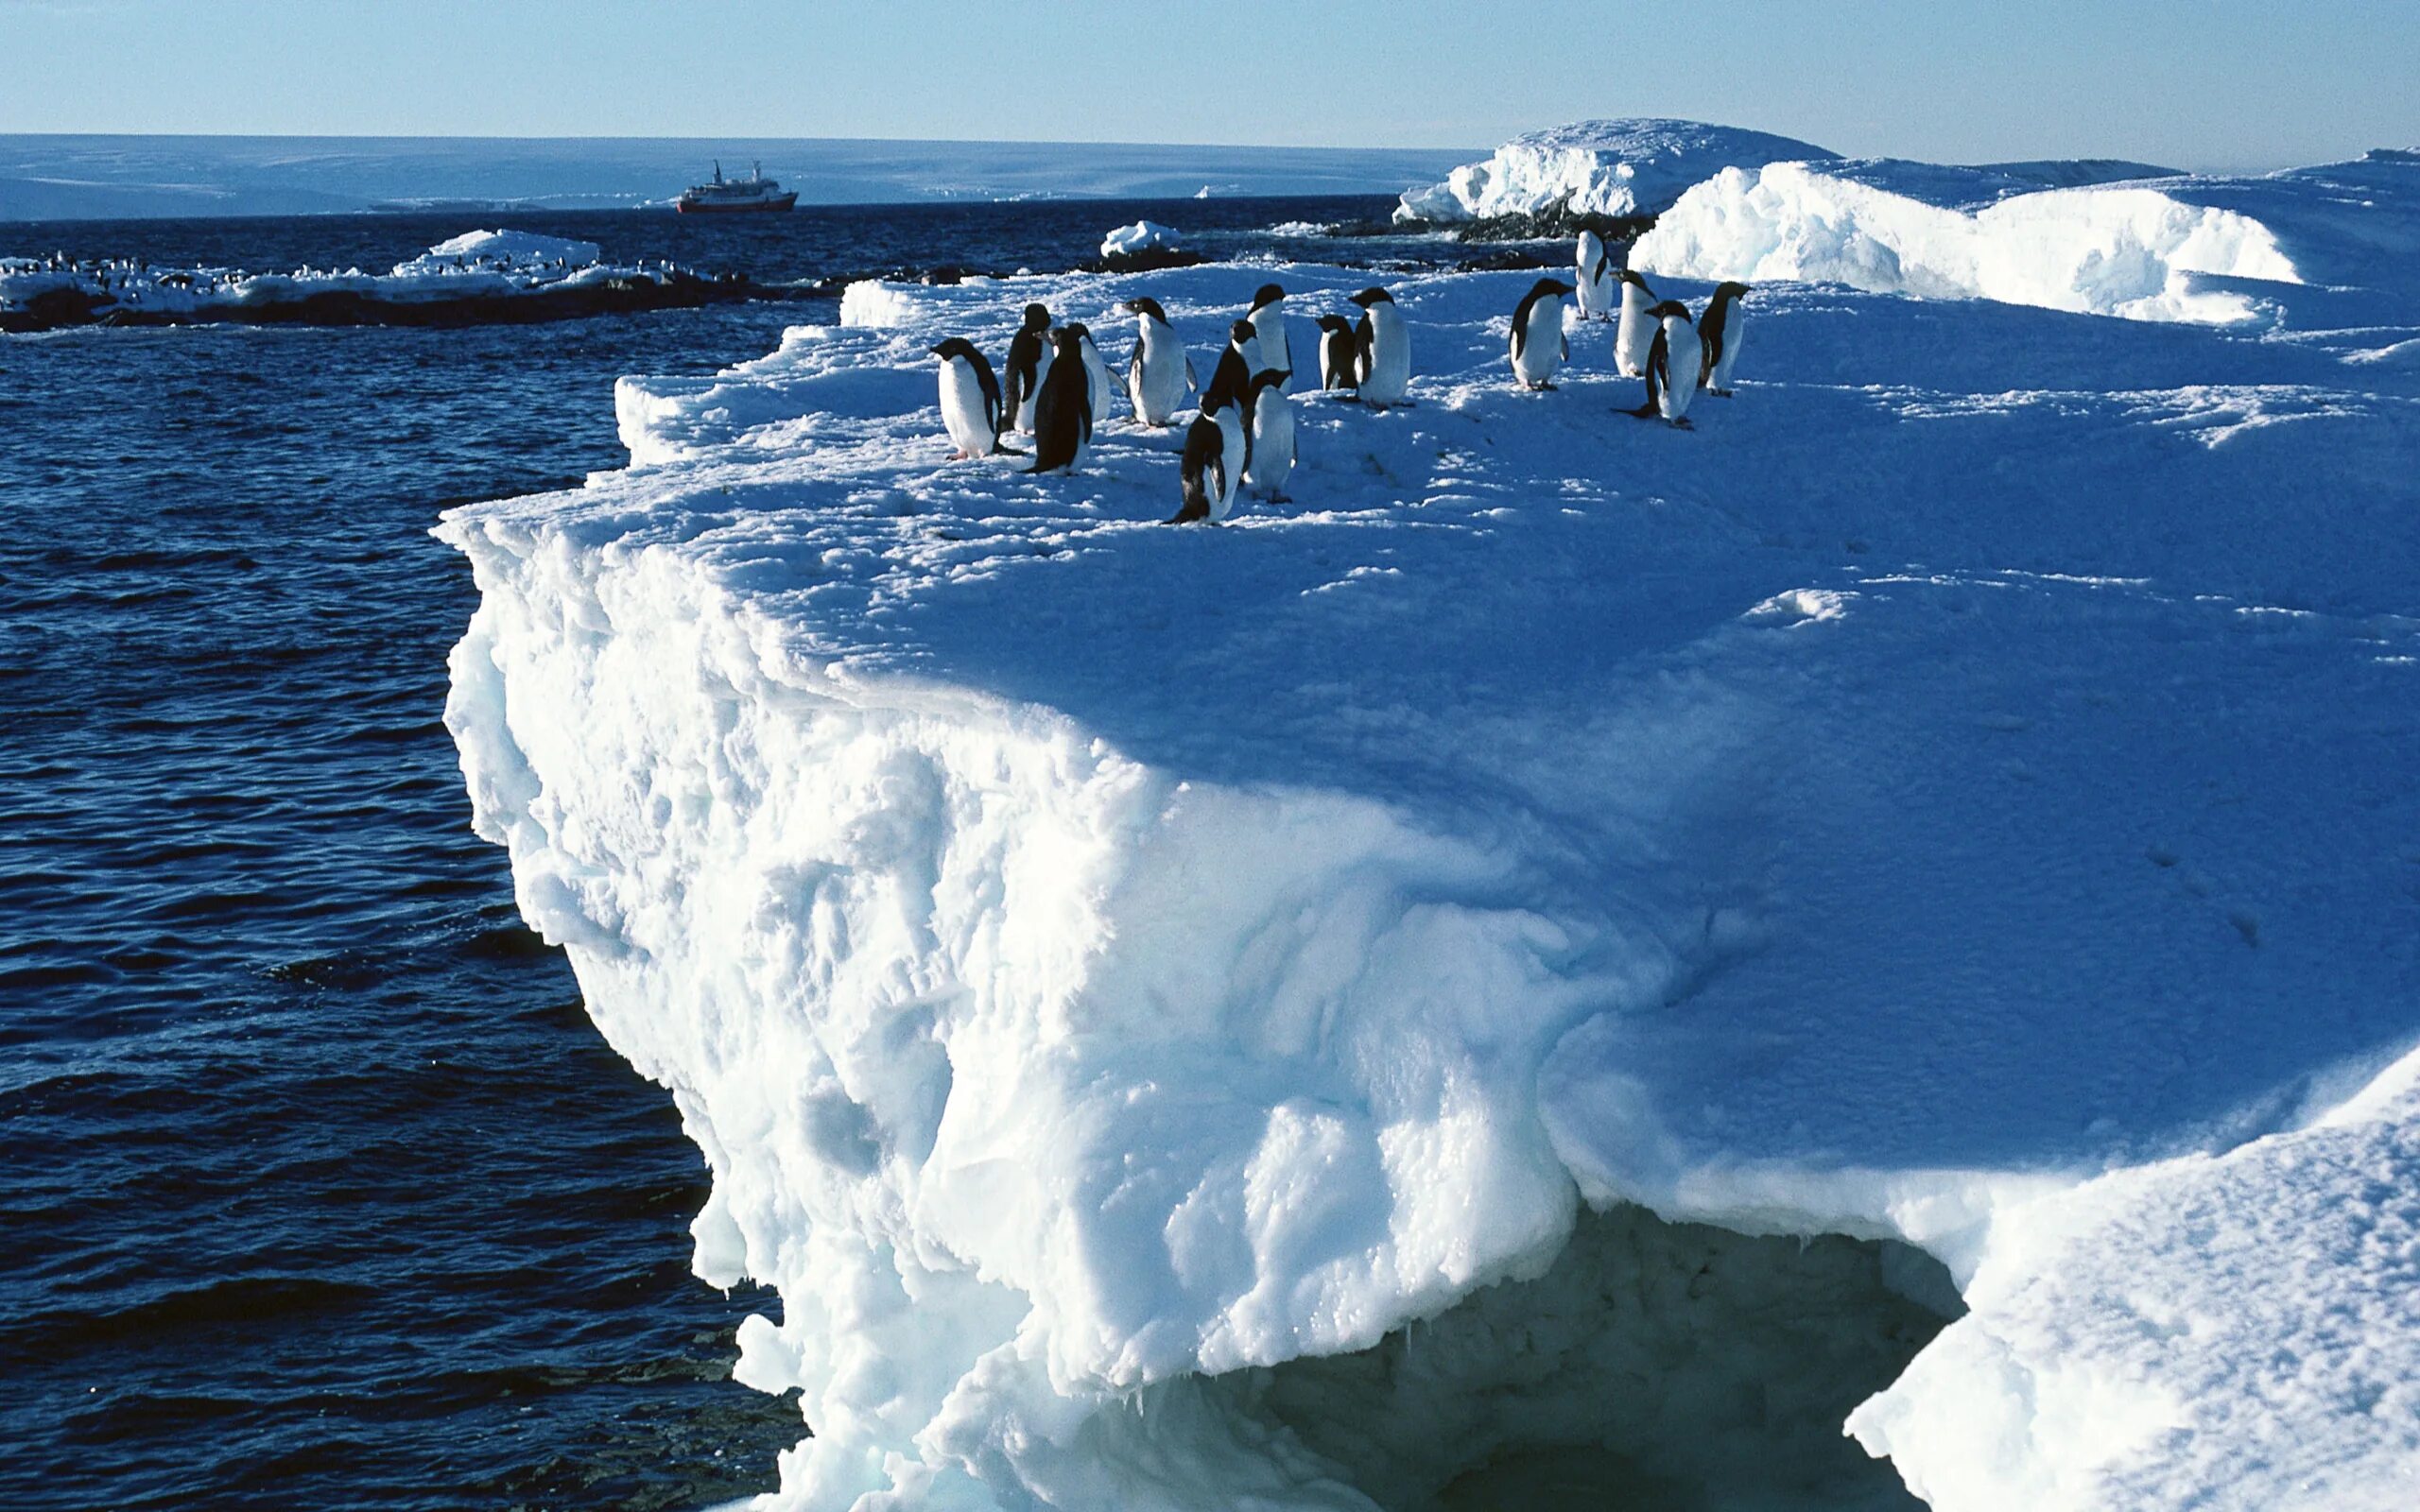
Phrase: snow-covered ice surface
{"type": "Point", "coordinates": [2208, 249]}
{"type": "Point", "coordinates": [1140, 990]}
{"type": "Point", "coordinates": [1619, 167]}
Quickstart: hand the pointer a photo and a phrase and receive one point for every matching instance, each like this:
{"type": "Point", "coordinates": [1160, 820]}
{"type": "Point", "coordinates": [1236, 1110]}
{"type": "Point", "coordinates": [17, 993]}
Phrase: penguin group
{"type": "Point", "coordinates": [1055, 385]}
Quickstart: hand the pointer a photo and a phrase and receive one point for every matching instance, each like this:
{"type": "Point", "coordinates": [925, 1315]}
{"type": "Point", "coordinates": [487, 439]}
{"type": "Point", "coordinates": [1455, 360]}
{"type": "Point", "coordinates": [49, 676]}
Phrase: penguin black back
{"type": "Point", "coordinates": [1024, 355]}
{"type": "Point", "coordinates": [985, 379]}
{"type": "Point", "coordinates": [1714, 328]}
{"type": "Point", "coordinates": [1230, 381]}
{"type": "Point", "coordinates": [1337, 345]}
{"type": "Point", "coordinates": [1062, 412]}
{"type": "Point", "coordinates": [1544, 288]}
{"type": "Point", "coordinates": [1204, 470]}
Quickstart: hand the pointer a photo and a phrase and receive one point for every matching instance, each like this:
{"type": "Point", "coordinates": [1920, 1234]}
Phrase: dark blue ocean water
{"type": "Point", "coordinates": [316, 1189]}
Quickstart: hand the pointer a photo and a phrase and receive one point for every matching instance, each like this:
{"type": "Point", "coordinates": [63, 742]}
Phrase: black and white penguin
{"type": "Point", "coordinates": [1062, 412]}
{"type": "Point", "coordinates": [1217, 452]}
{"type": "Point", "coordinates": [1339, 354]}
{"type": "Point", "coordinates": [1270, 435]}
{"type": "Point", "coordinates": [1232, 377]}
{"type": "Point", "coordinates": [1028, 358]}
{"type": "Point", "coordinates": [1095, 370]}
{"type": "Point", "coordinates": [1268, 316]}
{"type": "Point", "coordinates": [971, 409]}
{"type": "Point", "coordinates": [1595, 266]}
{"type": "Point", "coordinates": [1159, 375]}
{"type": "Point", "coordinates": [1385, 366]}
{"type": "Point", "coordinates": [1636, 332]}
{"type": "Point", "coordinates": [1537, 340]}
{"type": "Point", "coordinates": [1675, 356]}
{"type": "Point", "coordinates": [1718, 329]}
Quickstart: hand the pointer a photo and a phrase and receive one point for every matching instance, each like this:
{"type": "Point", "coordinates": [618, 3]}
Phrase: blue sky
{"type": "Point", "coordinates": [2197, 83]}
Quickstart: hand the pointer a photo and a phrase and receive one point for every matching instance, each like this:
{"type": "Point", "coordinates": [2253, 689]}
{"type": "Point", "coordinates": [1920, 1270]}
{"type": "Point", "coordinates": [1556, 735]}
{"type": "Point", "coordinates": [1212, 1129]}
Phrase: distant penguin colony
{"type": "Point", "coordinates": [1241, 435]}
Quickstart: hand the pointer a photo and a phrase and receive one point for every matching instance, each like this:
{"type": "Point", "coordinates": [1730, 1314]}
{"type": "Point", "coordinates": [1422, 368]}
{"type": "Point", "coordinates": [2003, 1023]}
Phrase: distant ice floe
{"type": "Point", "coordinates": [1613, 167]}
{"type": "Point", "coordinates": [2144, 252]}
{"type": "Point", "coordinates": [1128, 240]}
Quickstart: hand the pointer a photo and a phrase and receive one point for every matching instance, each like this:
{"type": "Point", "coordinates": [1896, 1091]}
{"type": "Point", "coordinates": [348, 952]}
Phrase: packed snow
{"type": "Point", "coordinates": [1128, 240]}
{"type": "Point", "coordinates": [1361, 1006]}
{"type": "Point", "coordinates": [1619, 168]}
{"type": "Point", "coordinates": [2144, 252]}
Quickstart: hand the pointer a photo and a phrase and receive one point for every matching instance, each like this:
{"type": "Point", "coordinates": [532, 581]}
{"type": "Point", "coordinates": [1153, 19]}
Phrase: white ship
{"type": "Point", "coordinates": [755, 192]}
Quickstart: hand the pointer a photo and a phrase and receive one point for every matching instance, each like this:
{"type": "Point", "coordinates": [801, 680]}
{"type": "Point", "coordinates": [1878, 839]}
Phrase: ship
{"type": "Point", "coordinates": [755, 192]}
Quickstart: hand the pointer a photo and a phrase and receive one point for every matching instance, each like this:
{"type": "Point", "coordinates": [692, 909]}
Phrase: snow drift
{"type": "Point", "coordinates": [2145, 252]}
{"type": "Point", "coordinates": [1361, 1007]}
{"type": "Point", "coordinates": [1619, 168]}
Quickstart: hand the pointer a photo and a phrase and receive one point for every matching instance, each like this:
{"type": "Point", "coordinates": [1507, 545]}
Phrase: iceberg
{"type": "Point", "coordinates": [1128, 240]}
{"type": "Point", "coordinates": [1578, 958]}
{"type": "Point", "coordinates": [1623, 169]}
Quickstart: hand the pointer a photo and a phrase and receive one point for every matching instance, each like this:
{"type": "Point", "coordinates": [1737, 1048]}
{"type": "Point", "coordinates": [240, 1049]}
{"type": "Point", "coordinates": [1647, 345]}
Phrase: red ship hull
{"type": "Point", "coordinates": [699, 207]}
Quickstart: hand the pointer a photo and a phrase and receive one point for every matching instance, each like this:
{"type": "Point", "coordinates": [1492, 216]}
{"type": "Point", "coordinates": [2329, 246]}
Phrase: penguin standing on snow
{"type": "Point", "coordinates": [1384, 370]}
{"type": "Point", "coordinates": [971, 409]}
{"type": "Point", "coordinates": [1675, 358]}
{"type": "Point", "coordinates": [1339, 354]}
{"type": "Point", "coordinates": [1027, 359]}
{"type": "Point", "coordinates": [1095, 370]}
{"type": "Point", "coordinates": [1268, 316]}
{"type": "Point", "coordinates": [1233, 376]}
{"type": "Point", "coordinates": [1268, 434]}
{"type": "Point", "coordinates": [1159, 375]}
{"type": "Point", "coordinates": [1218, 449]}
{"type": "Point", "coordinates": [1720, 332]}
{"type": "Point", "coordinates": [1636, 332]}
{"type": "Point", "coordinates": [1596, 279]}
{"type": "Point", "coordinates": [1537, 340]}
{"type": "Point", "coordinates": [1062, 412]}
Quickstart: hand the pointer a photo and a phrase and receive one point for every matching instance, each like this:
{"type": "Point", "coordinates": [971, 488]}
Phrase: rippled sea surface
{"type": "Point", "coordinates": [316, 1189]}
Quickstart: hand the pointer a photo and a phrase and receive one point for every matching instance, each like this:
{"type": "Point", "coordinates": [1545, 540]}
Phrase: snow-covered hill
{"type": "Point", "coordinates": [1360, 1005]}
{"type": "Point", "coordinates": [1619, 168]}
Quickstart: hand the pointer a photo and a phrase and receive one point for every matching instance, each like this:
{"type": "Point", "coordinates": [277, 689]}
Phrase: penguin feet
{"type": "Point", "coordinates": [1720, 393]}
{"type": "Point", "coordinates": [1281, 498]}
{"type": "Point", "coordinates": [1685, 424]}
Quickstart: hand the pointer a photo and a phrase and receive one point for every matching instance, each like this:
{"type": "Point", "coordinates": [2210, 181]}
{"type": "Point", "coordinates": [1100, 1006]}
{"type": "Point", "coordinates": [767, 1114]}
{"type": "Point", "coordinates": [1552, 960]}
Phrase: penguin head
{"type": "Point", "coordinates": [1269, 378]}
{"type": "Point", "coordinates": [1077, 328]}
{"type": "Point", "coordinates": [1145, 304]}
{"type": "Point", "coordinates": [1631, 276]}
{"type": "Point", "coordinates": [1670, 309]}
{"type": "Point", "coordinates": [1037, 318]}
{"type": "Point", "coordinates": [954, 347]}
{"type": "Point", "coordinates": [1335, 324]}
{"type": "Point", "coordinates": [1270, 294]}
{"type": "Point", "coordinates": [1370, 297]}
{"type": "Point", "coordinates": [1730, 290]}
{"type": "Point", "coordinates": [1069, 340]}
{"type": "Point", "coordinates": [1243, 331]}
{"type": "Point", "coordinates": [1550, 289]}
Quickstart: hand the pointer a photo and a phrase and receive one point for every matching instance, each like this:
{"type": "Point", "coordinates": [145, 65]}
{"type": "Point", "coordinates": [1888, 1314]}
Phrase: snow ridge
{"type": "Point", "coordinates": [1619, 168]}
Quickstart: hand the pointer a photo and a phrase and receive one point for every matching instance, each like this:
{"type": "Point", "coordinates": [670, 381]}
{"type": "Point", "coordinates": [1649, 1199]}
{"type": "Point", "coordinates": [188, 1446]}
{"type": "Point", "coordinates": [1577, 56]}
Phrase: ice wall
{"type": "Point", "coordinates": [1620, 168]}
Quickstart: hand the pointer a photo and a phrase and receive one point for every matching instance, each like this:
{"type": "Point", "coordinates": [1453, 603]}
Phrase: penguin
{"type": "Point", "coordinates": [1159, 375]}
{"type": "Point", "coordinates": [1232, 378]}
{"type": "Point", "coordinates": [1269, 436]}
{"type": "Point", "coordinates": [1720, 331]}
{"type": "Point", "coordinates": [971, 409]}
{"type": "Point", "coordinates": [1062, 412]}
{"type": "Point", "coordinates": [1027, 359]}
{"type": "Point", "coordinates": [1095, 370]}
{"type": "Point", "coordinates": [1537, 340]}
{"type": "Point", "coordinates": [1339, 354]}
{"type": "Point", "coordinates": [1636, 332]}
{"type": "Point", "coordinates": [1596, 280]}
{"type": "Point", "coordinates": [1674, 359]}
{"type": "Point", "coordinates": [1215, 459]}
{"type": "Point", "coordinates": [1385, 368]}
{"type": "Point", "coordinates": [1268, 316]}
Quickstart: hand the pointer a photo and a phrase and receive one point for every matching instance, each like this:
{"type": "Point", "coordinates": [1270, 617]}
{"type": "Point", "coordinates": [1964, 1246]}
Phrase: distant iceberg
{"type": "Point", "coordinates": [1620, 168]}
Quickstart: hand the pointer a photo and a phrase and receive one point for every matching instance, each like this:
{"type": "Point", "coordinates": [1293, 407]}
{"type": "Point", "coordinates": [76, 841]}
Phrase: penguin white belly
{"type": "Point", "coordinates": [1684, 356]}
{"type": "Point", "coordinates": [1730, 351]}
{"type": "Point", "coordinates": [1596, 289]}
{"type": "Point", "coordinates": [962, 408]}
{"type": "Point", "coordinates": [1269, 321]}
{"type": "Point", "coordinates": [1096, 373]}
{"type": "Point", "coordinates": [1273, 442]}
{"type": "Point", "coordinates": [1033, 395]}
{"type": "Point", "coordinates": [1157, 383]}
{"type": "Point", "coordinates": [1540, 353]}
{"type": "Point", "coordinates": [1231, 456]}
{"type": "Point", "coordinates": [1389, 375]}
{"type": "Point", "coordinates": [1635, 335]}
